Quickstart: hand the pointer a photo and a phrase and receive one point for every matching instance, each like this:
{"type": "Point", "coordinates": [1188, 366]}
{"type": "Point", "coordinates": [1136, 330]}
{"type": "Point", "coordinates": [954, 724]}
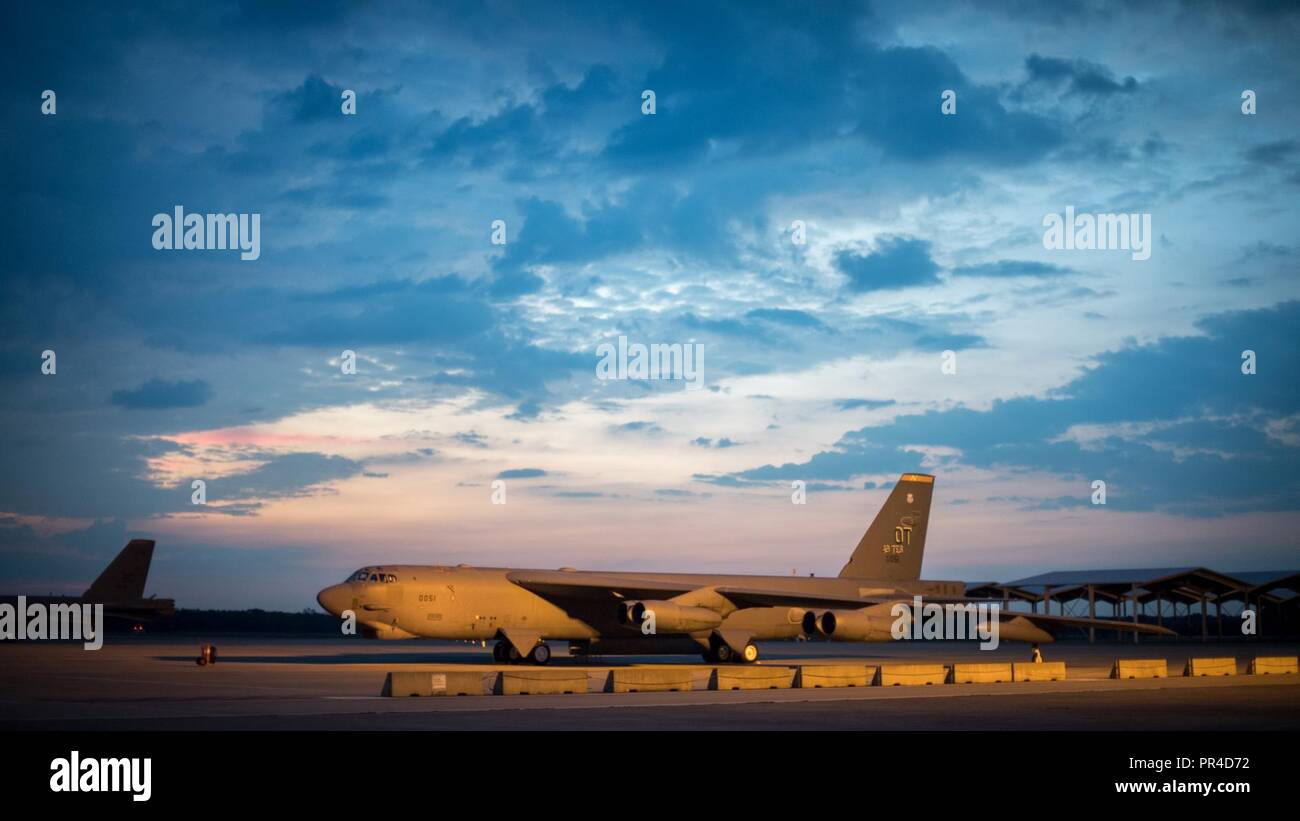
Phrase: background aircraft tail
{"type": "Point", "coordinates": [892, 547]}
{"type": "Point", "coordinates": [124, 578]}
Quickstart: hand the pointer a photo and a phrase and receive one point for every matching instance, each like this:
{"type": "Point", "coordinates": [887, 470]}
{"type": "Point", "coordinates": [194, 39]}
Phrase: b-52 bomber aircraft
{"type": "Point", "coordinates": [719, 616]}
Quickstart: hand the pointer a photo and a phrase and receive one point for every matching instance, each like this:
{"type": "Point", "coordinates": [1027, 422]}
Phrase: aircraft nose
{"type": "Point", "coordinates": [334, 599]}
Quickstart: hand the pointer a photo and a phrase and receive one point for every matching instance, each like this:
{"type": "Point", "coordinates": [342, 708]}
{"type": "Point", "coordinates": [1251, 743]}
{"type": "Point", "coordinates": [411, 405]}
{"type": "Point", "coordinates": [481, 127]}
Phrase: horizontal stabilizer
{"type": "Point", "coordinates": [1053, 625]}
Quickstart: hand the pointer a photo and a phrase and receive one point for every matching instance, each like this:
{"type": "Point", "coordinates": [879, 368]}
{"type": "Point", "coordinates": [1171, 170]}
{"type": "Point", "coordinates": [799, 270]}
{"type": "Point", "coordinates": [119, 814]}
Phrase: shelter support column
{"type": "Point", "coordinates": [1204, 626]}
{"type": "Point", "coordinates": [1134, 594]}
{"type": "Point", "coordinates": [1092, 613]}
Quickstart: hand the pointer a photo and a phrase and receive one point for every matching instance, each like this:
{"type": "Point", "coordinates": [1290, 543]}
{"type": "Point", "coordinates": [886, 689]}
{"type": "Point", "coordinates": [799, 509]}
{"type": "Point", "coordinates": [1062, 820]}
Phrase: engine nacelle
{"type": "Point", "coordinates": [853, 625]}
{"type": "Point", "coordinates": [669, 617]}
{"type": "Point", "coordinates": [812, 623]}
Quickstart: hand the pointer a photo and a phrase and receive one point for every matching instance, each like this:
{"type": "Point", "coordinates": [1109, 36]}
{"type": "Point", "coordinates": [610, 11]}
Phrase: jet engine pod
{"type": "Point", "coordinates": [855, 625]}
{"type": "Point", "coordinates": [812, 623]}
{"type": "Point", "coordinates": [670, 617]}
{"type": "Point", "coordinates": [625, 612]}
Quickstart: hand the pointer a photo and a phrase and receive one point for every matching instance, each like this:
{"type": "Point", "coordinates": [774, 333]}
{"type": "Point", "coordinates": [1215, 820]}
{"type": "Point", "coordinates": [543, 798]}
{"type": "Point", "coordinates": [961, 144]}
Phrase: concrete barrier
{"type": "Point", "coordinates": [980, 673]}
{"type": "Point", "coordinates": [650, 680]}
{"type": "Point", "coordinates": [1140, 668]}
{"type": "Point", "coordinates": [1038, 671]}
{"type": "Point", "coordinates": [1273, 665]}
{"type": "Point", "coordinates": [437, 683]}
{"type": "Point", "coordinates": [1210, 667]}
{"type": "Point", "coordinates": [540, 682]}
{"type": "Point", "coordinates": [892, 675]}
{"type": "Point", "coordinates": [752, 678]}
{"type": "Point", "coordinates": [835, 675]}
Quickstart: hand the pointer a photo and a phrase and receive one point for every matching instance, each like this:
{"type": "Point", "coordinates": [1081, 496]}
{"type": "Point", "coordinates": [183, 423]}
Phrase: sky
{"type": "Point", "coordinates": [843, 205]}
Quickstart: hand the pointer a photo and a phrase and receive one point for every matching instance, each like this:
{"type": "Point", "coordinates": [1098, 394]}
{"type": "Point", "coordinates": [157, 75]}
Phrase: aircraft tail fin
{"type": "Point", "coordinates": [893, 545]}
{"type": "Point", "coordinates": [124, 578]}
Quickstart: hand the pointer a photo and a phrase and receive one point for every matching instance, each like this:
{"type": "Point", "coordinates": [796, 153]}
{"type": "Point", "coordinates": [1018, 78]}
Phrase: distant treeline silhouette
{"type": "Point", "coordinates": [238, 621]}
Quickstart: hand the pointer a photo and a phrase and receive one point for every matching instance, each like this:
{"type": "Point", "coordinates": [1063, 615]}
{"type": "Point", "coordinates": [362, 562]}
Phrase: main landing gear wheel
{"type": "Point", "coordinates": [499, 652]}
{"type": "Point", "coordinates": [511, 654]}
{"type": "Point", "coordinates": [723, 653]}
{"type": "Point", "coordinates": [540, 654]}
{"type": "Point", "coordinates": [750, 654]}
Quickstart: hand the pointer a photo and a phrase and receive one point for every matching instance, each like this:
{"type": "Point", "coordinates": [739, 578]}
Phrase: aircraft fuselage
{"type": "Point", "coordinates": [482, 603]}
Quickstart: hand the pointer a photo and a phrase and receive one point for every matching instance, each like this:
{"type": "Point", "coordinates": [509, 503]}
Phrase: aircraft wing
{"type": "Point", "coordinates": [560, 585]}
{"type": "Point", "coordinates": [577, 592]}
{"type": "Point", "coordinates": [758, 597]}
{"type": "Point", "coordinates": [557, 585]}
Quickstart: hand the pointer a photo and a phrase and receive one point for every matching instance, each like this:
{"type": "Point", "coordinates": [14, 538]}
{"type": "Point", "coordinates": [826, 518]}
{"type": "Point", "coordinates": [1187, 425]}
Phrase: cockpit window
{"type": "Point", "coordinates": [368, 575]}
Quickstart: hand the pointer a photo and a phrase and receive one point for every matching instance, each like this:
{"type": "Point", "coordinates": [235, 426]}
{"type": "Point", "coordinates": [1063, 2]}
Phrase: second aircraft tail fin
{"type": "Point", "coordinates": [124, 578]}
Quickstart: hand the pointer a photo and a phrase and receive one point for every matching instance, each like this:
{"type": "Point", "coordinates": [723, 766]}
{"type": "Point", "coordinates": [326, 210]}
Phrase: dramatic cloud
{"type": "Point", "coordinates": [1077, 76]}
{"type": "Point", "coordinates": [1011, 268]}
{"type": "Point", "coordinates": [1174, 425]}
{"type": "Point", "coordinates": [521, 473]}
{"type": "Point", "coordinates": [157, 394]}
{"type": "Point", "coordinates": [895, 262]}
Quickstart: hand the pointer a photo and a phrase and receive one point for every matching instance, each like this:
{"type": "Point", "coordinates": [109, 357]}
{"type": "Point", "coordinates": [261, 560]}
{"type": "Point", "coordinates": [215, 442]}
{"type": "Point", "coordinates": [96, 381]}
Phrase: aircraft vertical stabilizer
{"type": "Point", "coordinates": [123, 580]}
{"type": "Point", "coordinates": [892, 547]}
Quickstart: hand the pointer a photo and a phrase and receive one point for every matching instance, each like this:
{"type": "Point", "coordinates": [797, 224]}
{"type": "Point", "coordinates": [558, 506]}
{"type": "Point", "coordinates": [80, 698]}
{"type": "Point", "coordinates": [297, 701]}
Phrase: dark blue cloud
{"type": "Point", "coordinates": [415, 314]}
{"type": "Point", "coordinates": [286, 476]}
{"type": "Point", "coordinates": [527, 137]}
{"type": "Point", "coordinates": [158, 394]}
{"type": "Point", "coordinates": [1011, 268]}
{"type": "Point", "coordinates": [829, 81]}
{"type": "Point", "coordinates": [949, 341]}
{"type": "Point", "coordinates": [725, 327]}
{"type": "Point", "coordinates": [286, 16]}
{"type": "Point", "coordinates": [894, 262]}
{"type": "Point", "coordinates": [315, 99]}
{"type": "Point", "coordinates": [903, 87]}
{"type": "Point", "coordinates": [550, 236]}
{"type": "Point", "coordinates": [723, 443]}
{"type": "Point", "coordinates": [471, 438]}
{"type": "Point", "coordinates": [639, 427]}
{"type": "Point", "coordinates": [1077, 76]}
{"type": "Point", "coordinates": [521, 473]}
{"type": "Point", "coordinates": [81, 474]}
{"type": "Point", "coordinates": [869, 404]}
{"type": "Point", "coordinates": [1272, 153]}
{"type": "Point", "coordinates": [786, 316]}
